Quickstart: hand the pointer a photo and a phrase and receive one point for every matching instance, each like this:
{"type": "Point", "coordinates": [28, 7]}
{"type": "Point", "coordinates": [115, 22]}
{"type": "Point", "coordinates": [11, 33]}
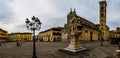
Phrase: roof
{"type": "Point", "coordinates": [53, 28]}
{"type": "Point", "coordinates": [21, 33]}
{"type": "Point", "coordinates": [3, 30]}
{"type": "Point", "coordinates": [88, 23]}
{"type": "Point", "coordinates": [99, 25]}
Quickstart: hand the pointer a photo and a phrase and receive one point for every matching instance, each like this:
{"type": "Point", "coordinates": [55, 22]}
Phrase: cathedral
{"type": "Point", "coordinates": [89, 31]}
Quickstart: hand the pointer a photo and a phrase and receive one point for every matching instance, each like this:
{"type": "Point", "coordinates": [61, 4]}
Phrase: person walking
{"type": "Point", "coordinates": [18, 44]}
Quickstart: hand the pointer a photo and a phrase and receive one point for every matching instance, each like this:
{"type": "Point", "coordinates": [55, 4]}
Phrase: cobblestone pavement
{"type": "Point", "coordinates": [50, 50]}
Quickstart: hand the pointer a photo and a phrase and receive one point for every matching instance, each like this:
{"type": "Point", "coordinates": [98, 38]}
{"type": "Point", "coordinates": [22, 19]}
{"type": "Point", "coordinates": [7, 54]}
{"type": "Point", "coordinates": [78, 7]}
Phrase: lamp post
{"type": "Point", "coordinates": [101, 40]}
{"type": "Point", "coordinates": [35, 24]}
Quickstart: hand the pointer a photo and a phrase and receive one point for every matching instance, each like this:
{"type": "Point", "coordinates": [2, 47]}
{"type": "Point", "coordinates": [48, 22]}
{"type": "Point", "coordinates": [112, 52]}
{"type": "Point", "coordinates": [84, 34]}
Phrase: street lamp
{"type": "Point", "coordinates": [35, 24]}
{"type": "Point", "coordinates": [101, 40]}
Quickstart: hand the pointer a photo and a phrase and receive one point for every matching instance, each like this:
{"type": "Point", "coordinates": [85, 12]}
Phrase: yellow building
{"type": "Point", "coordinates": [52, 34]}
{"type": "Point", "coordinates": [3, 35]}
{"type": "Point", "coordinates": [115, 33]}
{"type": "Point", "coordinates": [25, 36]}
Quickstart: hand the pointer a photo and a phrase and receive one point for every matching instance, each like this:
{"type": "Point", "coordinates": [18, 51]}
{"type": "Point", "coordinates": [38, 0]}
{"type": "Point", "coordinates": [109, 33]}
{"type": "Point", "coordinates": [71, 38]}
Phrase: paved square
{"type": "Point", "coordinates": [50, 50]}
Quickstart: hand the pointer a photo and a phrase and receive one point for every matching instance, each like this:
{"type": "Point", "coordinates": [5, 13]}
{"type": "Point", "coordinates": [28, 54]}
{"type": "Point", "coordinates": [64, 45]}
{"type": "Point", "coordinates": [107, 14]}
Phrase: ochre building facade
{"type": "Point", "coordinates": [25, 36]}
{"type": "Point", "coordinates": [115, 33]}
{"type": "Point", "coordinates": [52, 34]}
{"type": "Point", "coordinates": [3, 35]}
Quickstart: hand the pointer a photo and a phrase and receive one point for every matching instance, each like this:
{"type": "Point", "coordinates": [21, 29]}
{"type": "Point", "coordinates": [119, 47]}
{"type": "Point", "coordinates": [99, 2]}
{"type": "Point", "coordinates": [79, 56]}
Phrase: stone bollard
{"type": "Point", "coordinates": [0, 44]}
{"type": "Point", "coordinates": [119, 46]}
{"type": "Point", "coordinates": [117, 52]}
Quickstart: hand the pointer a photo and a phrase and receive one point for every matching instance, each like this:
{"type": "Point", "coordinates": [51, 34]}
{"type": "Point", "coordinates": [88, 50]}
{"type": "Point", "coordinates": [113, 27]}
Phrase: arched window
{"type": "Point", "coordinates": [101, 28]}
{"type": "Point", "coordinates": [102, 15]}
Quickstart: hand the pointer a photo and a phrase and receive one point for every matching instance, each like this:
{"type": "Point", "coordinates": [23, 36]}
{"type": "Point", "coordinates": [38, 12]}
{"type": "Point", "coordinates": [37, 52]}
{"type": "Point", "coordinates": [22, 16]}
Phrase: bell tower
{"type": "Point", "coordinates": [103, 26]}
{"type": "Point", "coordinates": [103, 6]}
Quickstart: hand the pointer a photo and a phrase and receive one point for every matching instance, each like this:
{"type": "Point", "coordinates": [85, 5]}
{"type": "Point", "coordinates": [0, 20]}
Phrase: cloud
{"type": "Point", "coordinates": [5, 11]}
{"type": "Point", "coordinates": [53, 13]}
{"type": "Point", "coordinates": [22, 9]}
{"type": "Point", "coordinates": [113, 12]}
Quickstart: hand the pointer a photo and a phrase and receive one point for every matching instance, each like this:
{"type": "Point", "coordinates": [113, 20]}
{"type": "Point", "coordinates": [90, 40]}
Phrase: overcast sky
{"type": "Point", "coordinates": [52, 13]}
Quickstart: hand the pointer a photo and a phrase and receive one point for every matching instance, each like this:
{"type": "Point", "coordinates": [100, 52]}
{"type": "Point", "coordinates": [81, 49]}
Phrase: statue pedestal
{"type": "Point", "coordinates": [74, 47]}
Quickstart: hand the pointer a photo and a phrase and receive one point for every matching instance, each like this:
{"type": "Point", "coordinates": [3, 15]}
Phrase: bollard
{"type": "Point", "coordinates": [0, 44]}
{"type": "Point", "coordinates": [117, 55]}
{"type": "Point", "coordinates": [119, 46]}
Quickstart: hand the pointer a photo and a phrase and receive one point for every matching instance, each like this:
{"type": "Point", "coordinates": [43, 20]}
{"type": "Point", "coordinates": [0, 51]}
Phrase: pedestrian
{"type": "Point", "coordinates": [18, 44]}
{"type": "Point", "coordinates": [21, 42]}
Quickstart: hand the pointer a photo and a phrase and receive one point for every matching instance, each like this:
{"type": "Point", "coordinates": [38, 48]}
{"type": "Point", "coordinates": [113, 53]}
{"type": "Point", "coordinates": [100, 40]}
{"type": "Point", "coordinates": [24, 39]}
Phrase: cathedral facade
{"type": "Point", "coordinates": [89, 30]}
